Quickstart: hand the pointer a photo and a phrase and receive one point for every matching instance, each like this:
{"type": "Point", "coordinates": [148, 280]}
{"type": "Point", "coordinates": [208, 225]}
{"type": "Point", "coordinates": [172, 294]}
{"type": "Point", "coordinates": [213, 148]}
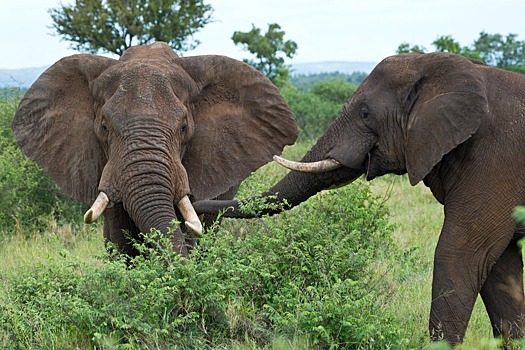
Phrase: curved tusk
{"type": "Point", "coordinates": [314, 167]}
{"type": "Point", "coordinates": [98, 207]}
{"type": "Point", "coordinates": [192, 221]}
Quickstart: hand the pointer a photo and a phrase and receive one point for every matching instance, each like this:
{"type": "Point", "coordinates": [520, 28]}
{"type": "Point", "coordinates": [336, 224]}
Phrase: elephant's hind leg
{"type": "Point", "coordinates": [502, 294]}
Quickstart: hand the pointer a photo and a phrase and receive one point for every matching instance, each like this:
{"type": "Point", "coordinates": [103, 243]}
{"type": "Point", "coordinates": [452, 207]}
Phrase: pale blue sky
{"type": "Point", "coordinates": [329, 30]}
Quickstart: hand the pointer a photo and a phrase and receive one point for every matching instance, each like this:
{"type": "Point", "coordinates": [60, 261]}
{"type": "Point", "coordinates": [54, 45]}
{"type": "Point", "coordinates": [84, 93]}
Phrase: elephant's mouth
{"type": "Point", "coordinates": [368, 168]}
{"type": "Point", "coordinates": [375, 165]}
{"type": "Point", "coordinates": [191, 220]}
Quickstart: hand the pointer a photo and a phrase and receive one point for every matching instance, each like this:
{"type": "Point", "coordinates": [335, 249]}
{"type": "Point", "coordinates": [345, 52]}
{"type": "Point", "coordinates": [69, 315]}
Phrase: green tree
{"type": "Point", "coordinates": [112, 26]}
{"type": "Point", "coordinates": [504, 52]}
{"type": "Point", "coordinates": [406, 48]}
{"type": "Point", "coordinates": [269, 49]}
{"type": "Point", "coordinates": [304, 81]}
{"type": "Point", "coordinates": [446, 43]}
{"type": "Point", "coordinates": [494, 49]}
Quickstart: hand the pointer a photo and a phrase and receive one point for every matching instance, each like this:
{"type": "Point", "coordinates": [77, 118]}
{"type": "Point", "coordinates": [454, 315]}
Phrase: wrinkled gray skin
{"type": "Point", "coordinates": [148, 130]}
{"type": "Point", "coordinates": [459, 126]}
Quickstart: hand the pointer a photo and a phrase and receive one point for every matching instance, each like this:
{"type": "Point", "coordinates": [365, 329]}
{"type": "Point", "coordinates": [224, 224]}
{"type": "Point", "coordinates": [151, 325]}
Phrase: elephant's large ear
{"type": "Point", "coordinates": [54, 125]}
{"type": "Point", "coordinates": [241, 121]}
{"type": "Point", "coordinates": [445, 105]}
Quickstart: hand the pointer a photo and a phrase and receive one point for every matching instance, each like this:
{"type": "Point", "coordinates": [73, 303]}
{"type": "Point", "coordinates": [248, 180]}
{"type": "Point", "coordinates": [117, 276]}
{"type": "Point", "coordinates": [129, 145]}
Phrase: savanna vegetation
{"type": "Point", "coordinates": [349, 269]}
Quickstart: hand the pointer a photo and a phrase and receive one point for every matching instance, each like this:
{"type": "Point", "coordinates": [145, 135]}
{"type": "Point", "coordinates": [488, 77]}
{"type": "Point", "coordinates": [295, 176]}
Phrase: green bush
{"type": "Point", "coordinates": [308, 270]}
{"type": "Point", "coordinates": [302, 278]}
{"type": "Point", "coordinates": [28, 198]}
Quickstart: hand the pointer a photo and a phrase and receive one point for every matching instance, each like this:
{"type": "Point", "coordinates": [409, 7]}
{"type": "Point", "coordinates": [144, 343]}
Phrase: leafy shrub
{"type": "Point", "coordinates": [28, 198]}
{"type": "Point", "coordinates": [302, 277]}
{"type": "Point", "coordinates": [65, 303]}
{"type": "Point", "coordinates": [308, 270]}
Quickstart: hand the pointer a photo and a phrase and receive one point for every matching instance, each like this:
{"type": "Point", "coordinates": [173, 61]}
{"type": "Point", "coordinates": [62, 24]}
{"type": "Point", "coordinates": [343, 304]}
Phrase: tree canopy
{"type": "Point", "coordinates": [269, 49]}
{"type": "Point", "coordinates": [112, 26]}
{"type": "Point", "coordinates": [494, 49]}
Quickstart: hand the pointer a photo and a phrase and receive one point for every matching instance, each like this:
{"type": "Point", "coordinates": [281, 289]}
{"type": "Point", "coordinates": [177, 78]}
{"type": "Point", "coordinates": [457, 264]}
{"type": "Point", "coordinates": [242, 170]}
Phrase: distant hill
{"type": "Point", "coordinates": [23, 78]}
{"type": "Point", "coordinates": [332, 66]}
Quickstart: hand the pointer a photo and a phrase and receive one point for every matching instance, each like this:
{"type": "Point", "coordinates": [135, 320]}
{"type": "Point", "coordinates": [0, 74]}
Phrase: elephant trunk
{"type": "Point", "coordinates": [150, 205]}
{"type": "Point", "coordinates": [149, 185]}
{"type": "Point", "coordinates": [294, 188]}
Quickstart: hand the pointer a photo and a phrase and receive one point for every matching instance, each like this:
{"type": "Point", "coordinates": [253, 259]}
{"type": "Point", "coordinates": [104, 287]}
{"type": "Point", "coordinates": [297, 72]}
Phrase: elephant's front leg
{"type": "Point", "coordinates": [453, 298]}
{"type": "Point", "coordinates": [468, 248]}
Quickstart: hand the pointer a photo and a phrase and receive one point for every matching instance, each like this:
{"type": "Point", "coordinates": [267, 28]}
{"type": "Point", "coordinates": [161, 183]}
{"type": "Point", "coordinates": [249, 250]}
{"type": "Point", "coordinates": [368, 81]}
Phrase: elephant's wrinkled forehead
{"type": "Point", "coordinates": [144, 81]}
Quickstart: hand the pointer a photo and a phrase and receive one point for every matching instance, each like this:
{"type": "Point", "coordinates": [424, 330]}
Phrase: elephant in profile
{"type": "Point", "coordinates": [143, 136]}
{"type": "Point", "coordinates": [458, 125]}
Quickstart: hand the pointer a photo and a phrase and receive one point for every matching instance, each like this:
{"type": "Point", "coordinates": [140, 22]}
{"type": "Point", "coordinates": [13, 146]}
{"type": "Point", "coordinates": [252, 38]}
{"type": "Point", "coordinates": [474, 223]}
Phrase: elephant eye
{"type": "Point", "coordinates": [104, 127]}
{"type": "Point", "coordinates": [183, 129]}
{"type": "Point", "coordinates": [364, 113]}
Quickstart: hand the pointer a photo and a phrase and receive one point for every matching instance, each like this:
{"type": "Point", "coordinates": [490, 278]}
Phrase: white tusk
{"type": "Point", "coordinates": [192, 221]}
{"type": "Point", "coordinates": [314, 167]}
{"type": "Point", "coordinates": [98, 207]}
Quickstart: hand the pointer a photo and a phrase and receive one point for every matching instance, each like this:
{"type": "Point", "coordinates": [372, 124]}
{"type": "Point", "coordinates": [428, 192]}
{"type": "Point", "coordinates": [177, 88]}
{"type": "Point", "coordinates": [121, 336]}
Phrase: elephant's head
{"type": "Point", "coordinates": [410, 111]}
{"type": "Point", "coordinates": [150, 131]}
{"type": "Point", "coordinates": [406, 115]}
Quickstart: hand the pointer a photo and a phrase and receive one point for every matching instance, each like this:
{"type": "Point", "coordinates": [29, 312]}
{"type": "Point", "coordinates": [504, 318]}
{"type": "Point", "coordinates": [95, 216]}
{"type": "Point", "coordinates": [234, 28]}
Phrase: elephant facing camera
{"type": "Point", "coordinates": [137, 137]}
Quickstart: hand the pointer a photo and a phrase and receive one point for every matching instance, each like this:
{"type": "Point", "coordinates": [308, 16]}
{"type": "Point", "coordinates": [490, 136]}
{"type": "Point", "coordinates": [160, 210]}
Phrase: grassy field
{"type": "Point", "coordinates": [401, 270]}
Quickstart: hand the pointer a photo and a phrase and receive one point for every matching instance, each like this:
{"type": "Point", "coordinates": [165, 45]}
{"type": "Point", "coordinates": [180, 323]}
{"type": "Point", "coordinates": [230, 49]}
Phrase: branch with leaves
{"type": "Point", "coordinates": [270, 50]}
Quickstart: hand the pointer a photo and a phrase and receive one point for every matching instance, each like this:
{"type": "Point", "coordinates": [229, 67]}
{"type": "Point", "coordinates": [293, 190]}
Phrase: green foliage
{"type": "Point", "coordinates": [113, 26]}
{"type": "Point", "coordinates": [300, 278]}
{"type": "Point", "coordinates": [448, 44]}
{"type": "Point", "coordinates": [268, 50]}
{"type": "Point", "coordinates": [504, 52]}
{"type": "Point", "coordinates": [317, 107]}
{"type": "Point", "coordinates": [406, 48]}
{"type": "Point", "coordinates": [28, 198]}
{"type": "Point", "coordinates": [311, 277]}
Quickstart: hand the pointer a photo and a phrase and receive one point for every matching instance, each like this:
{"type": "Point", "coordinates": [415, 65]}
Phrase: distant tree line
{"type": "Point", "coordinates": [506, 52]}
{"type": "Point", "coordinates": [304, 81]}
